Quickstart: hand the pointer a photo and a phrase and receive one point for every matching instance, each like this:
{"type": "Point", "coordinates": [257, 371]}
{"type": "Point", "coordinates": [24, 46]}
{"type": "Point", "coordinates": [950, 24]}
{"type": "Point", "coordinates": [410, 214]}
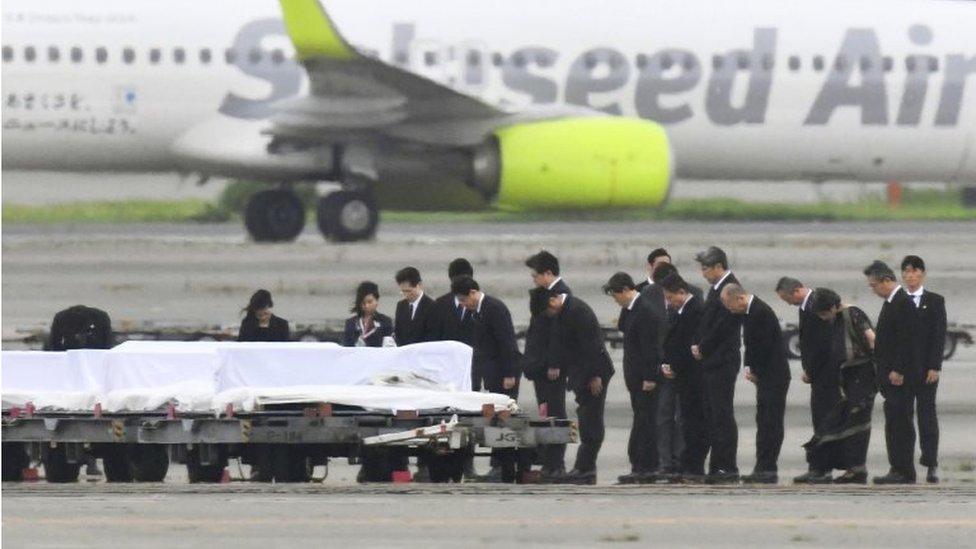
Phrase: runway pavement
{"type": "Point", "coordinates": [205, 273]}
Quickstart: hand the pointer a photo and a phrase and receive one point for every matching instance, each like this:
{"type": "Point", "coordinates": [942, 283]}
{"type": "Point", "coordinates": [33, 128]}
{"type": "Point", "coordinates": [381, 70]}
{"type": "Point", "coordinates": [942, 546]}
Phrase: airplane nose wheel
{"type": "Point", "coordinates": [347, 216]}
{"type": "Point", "coordinates": [274, 216]}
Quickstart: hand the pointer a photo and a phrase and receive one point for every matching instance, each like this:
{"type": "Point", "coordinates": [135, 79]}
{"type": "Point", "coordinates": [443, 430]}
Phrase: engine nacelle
{"type": "Point", "coordinates": [576, 163]}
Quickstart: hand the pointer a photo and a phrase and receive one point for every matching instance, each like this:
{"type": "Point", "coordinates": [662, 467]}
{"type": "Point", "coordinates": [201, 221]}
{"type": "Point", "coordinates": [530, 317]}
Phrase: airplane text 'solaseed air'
{"type": "Point", "coordinates": [540, 104]}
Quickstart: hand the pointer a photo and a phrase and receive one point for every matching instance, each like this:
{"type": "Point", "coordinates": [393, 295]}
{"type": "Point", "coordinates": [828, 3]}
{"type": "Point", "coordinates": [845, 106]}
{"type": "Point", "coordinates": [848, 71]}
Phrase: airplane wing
{"type": "Point", "coordinates": [355, 96]}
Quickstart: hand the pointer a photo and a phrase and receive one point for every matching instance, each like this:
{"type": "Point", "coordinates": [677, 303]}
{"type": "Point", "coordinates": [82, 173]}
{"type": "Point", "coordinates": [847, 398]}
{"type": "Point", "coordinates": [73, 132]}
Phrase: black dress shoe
{"type": "Point", "coordinates": [814, 477]}
{"type": "Point", "coordinates": [894, 477]}
{"type": "Point", "coordinates": [578, 477]}
{"type": "Point", "coordinates": [690, 478]}
{"type": "Point", "coordinates": [933, 475]}
{"type": "Point", "coordinates": [630, 478]}
{"type": "Point", "coordinates": [761, 477]}
{"type": "Point", "coordinates": [551, 476]}
{"type": "Point", "coordinates": [648, 478]}
{"type": "Point", "coordinates": [852, 477]}
{"type": "Point", "coordinates": [722, 477]}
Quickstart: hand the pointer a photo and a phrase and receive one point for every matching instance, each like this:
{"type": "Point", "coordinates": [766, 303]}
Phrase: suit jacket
{"type": "Point", "coordinates": [580, 345]}
{"type": "Point", "coordinates": [682, 335]}
{"type": "Point", "coordinates": [420, 327]}
{"type": "Point", "coordinates": [718, 333]}
{"type": "Point", "coordinates": [251, 330]}
{"type": "Point", "coordinates": [383, 327]}
{"type": "Point", "coordinates": [449, 323]}
{"type": "Point", "coordinates": [540, 341]}
{"type": "Point", "coordinates": [895, 343]}
{"type": "Point", "coordinates": [931, 331]}
{"type": "Point", "coordinates": [493, 340]}
{"type": "Point", "coordinates": [765, 352]}
{"type": "Point", "coordinates": [641, 326]}
{"type": "Point", "coordinates": [815, 344]}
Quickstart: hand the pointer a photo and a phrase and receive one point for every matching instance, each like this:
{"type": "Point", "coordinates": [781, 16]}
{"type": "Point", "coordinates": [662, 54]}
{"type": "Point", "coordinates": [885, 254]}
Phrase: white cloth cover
{"type": "Point", "coordinates": [444, 364]}
{"type": "Point", "coordinates": [370, 397]}
{"type": "Point", "coordinates": [147, 375]}
{"type": "Point", "coordinates": [72, 380]}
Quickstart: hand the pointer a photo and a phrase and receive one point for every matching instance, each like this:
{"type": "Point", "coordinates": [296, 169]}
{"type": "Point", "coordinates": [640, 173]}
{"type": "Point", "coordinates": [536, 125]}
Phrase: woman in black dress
{"type": "Point", "coordinates": [259, 323]}
{"type": "Point", "coordinates": [367, 328]}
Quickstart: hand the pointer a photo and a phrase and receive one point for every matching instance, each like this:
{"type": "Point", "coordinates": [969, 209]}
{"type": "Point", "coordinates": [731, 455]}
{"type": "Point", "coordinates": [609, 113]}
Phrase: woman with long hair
{"type": "Point", "coordinates": [260, 323]}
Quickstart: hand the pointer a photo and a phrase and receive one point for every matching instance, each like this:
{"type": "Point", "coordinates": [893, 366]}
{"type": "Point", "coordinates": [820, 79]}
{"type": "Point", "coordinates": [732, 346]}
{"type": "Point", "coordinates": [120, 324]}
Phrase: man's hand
{"type": "Point", "coordinates": [696, 352]}
{"type": "Point", "coordinates": [648, 386]}
{"type": "Point", "coordinates": [805, 378]}
{"type": "Point", "coordinates": [508, 382]}
{"type": "Point", "coordinates": [750, 376]}
{"type": "Point", "coordinates": [932, 377]}
{"type": "Point", "coordinates": [895, 378]}
{"type": "Point", "coordinates": [553, 374]}
{"type": "Point", "coordinates": [667, 371]}
{"type": "Point", "coordinates": [596, 386]}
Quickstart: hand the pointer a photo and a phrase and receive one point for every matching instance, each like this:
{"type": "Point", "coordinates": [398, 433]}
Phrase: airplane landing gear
{"type": "Point", "coordinates": [274, 216]}
{"type": "Point", "coordinates": [348, 216]}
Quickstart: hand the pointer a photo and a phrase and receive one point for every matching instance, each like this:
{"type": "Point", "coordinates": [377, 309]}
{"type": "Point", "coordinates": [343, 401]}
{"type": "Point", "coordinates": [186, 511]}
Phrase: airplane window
{"type": "Point", "coordinates": [128, 56]}
{"type": "Point", "coordinates": [179, 55]}
{"type": "Point", "coordinates": [910, 64]}
{"type": "Point", "coordinates": [53, 54]}
{"type": "Point", "coordinates": [794, 63]}
{"type": "Point", "coordinates": [743, 61]}
{"type": "Point", "coordinates": [519, 60]}
{"type": "Point", "coordinates": [818, 63]}
{"type": "Point", "coordinates": [8, 54]}
{"type": "Point", "coordinates": [230, 56]}
{"type": "Point", "coordinates": [30, 54]}
{"type": "Point", "coordinates": [840, 63]}
{"type": "Point", "coordinates": [430, 58]}
{"type": "Point", "coordinates": [641, 61]}
{"type": "Point", "coordinates": [767, 62]}
{"type": "Point", "coordinates": [887, 63]}
{"type": "Point", "coordinates": [401, 58]}
{"type": "Point", "coordinates": [474, 58]}
{"type": "Point", "coordinates": [589, 60]}
{"type": "Point", "coordinates": [205, 56]}
{"type": "Point", "coordinates": [717, 62]}
{"type": "Point", "coordinates": [155, 55]}
{"type": "Point", "coordinates": [497, 59]}
{"type": "Point", "coordinates": [666, 61]}
{"type": "Point", "coordinates": [933, 64]}
{"type": "Point", "coordinates": [688, 63]}
{"type": "Point", "coordinates": [101, 55]}
{"type": "Point", "coordinates": [77, 55]}
{"type": "Point", "coordinates": [614, 62]}
{"type": "Point", "coordinates": [254, 57]}
{"type": "Point", "coordinates": [865, 64]}
{"type": "Point", "coordinates": [278, 56]}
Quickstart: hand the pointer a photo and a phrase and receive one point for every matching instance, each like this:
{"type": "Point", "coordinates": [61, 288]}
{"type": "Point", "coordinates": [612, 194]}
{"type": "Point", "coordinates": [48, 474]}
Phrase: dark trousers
{"type": "Point", "coordinates": [589, 417]}
{"type": "Point", "coordinates": [694, 427]}
{"type": "Point", "coordinates": [670, 441]}
{"type": "Point", "coordinates": [553, 395]}
{"type": "Point", "coordinates": [899, 411]}
{"type": "Point", "coordinates": [824, 396]}
{"type": "Point", "coordinates": [723, 433]}
{"type": "Point", "coordinates": [506, 458]}
{"type": "Point", "coordinates": [642, 447]}
{"type": "Point", "coordinates": [928, 424]}
{"type": "Point", "coordinates": [770, 408]}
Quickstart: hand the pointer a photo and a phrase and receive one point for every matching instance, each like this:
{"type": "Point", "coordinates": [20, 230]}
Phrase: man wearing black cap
{"type": "Point", "coordinates": [642, 374]}
{"type": "Point", "coordinates": [930, 342]}
{"type": "Point", "coordinates": [899, 370]}
{"type": "Point", "coordinates": [540, 363]}
{"type": "Point", "coordinates": [581, 351]}
{"type": "Point", "coordinates": [717, 350]}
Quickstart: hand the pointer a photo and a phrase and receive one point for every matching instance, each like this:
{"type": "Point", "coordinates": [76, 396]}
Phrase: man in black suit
{"type": "Point", "coordinates": [451, 322]}
{"type": "Point", "coordinates": [414, 320]}
{"type": "Point", "coordinates": [899, 370]}
{"type": "Point", "coordinates": [540, 364]}
{"type": "Point", "coordinates": [818, 370]}
{"type": "Point", "coordinates": [495, 356]}
{"type": "Point", "coordinates": [680, 366]}
{"type": "Point", "coordinates": [930, 344]}
{"type": "Point", "coordinates": [717, 350]}
{"type": "Point", "coordinates": [642, 374]}
{"type": "Point", "coordinates": [655, 259]}
{"type": "Point", "coordinates": [769, 369]}
{"type": "Point", "coordinates": [588, 366]}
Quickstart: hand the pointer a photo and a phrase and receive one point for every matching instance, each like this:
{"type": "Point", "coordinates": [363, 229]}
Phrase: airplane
{"type": "Point", "coordinates": [542, 104]}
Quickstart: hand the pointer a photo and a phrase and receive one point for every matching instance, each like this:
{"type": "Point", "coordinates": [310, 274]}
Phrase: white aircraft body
{"type": "Point", "coordinates": [535, 104]}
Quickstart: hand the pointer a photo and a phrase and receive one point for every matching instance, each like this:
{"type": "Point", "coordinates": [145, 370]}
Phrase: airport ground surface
{"type": "Point", "coordinates": [204, 274]}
